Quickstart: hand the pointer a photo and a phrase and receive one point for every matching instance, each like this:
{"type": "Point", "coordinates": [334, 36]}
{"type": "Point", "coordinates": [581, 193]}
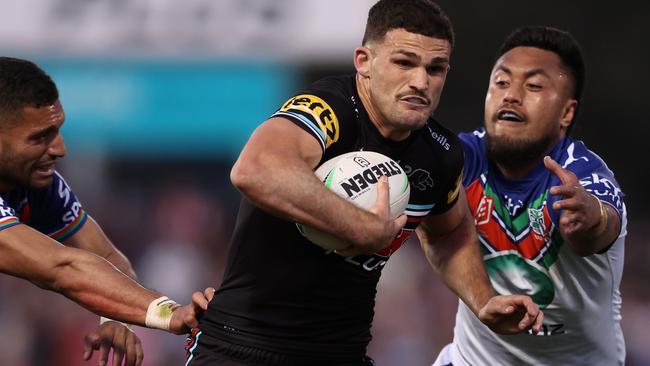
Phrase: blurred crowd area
{"type": "Point", "coordinates": [152, 134]}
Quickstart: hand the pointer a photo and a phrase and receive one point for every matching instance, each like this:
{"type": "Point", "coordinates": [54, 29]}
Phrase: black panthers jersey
{"type": "Point", "coordinates": [282, 293]}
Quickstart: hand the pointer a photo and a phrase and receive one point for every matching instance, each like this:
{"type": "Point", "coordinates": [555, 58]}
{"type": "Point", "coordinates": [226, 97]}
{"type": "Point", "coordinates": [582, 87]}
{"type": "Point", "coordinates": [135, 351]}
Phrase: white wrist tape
{"type": "Point", "coordinates": [103, 320]}
{"type": "Point", "coordinates": [159, 313]}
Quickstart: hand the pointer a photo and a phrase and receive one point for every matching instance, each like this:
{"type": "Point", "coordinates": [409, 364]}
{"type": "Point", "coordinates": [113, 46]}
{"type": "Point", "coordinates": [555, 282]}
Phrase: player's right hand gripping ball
{"type": "Point", "coordinates": [354, 176]}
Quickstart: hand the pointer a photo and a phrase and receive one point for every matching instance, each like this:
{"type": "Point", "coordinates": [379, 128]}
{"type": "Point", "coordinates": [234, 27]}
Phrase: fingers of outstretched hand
{"type": "Point", "coordinates": [530, 314]}
{"type": "Point", "coordinates": [127, 348]}
{"type": "Point", "coordinates": [102, 339]}
{"type": "Point", "coordinates": [532, 317]}
{"type": "Point", "coordinates": [511, 314]}
{"type": "Point", "coordinates": [118, 357]}
{"type": "Point", "coordinates": [119, 345]}
{"type": "Point", "coordinates": [566, 190]}
{"type": "Point", "coordinates": [91, 343]}
{"type": "Point", "coordinates": [133, 354]}
{"type": "Point", "coordinates": [539, 321]}
{"type": "Point", "coordinates": [565, 176]}
{"type": "Point", "coordinates": [139, 354]}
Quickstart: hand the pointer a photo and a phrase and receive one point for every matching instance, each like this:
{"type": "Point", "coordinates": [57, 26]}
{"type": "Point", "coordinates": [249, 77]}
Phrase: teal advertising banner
{"type": "Point", "coordinates": [176, 109]}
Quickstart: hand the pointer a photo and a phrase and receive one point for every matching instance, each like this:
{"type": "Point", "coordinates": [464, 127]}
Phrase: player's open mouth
{"type": "Point", "coordinates": [45, 169]}
{"type": "Point", "coordinates": [509, 115]}
{"type": "Point", "coordinates": [415, 100]}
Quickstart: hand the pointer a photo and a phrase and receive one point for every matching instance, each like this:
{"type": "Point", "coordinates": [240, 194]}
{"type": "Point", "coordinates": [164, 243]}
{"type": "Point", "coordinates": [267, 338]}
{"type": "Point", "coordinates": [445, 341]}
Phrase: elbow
{"type": "Point", "coordinates": [239, 177]}
{"type": "Point", "coordinates": [246, 175]}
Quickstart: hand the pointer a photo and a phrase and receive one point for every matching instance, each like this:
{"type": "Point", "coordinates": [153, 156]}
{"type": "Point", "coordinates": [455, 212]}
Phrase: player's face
{"type": "Point", "coordinates": [30, 146]}
{"type": "Point", "coordinates": [529, 102]}
{"type": "Point", "coordinates": [406, 76]}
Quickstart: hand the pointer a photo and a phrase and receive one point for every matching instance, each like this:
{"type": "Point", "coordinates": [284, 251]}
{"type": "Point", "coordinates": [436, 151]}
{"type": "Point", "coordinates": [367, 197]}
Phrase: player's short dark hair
{"type": "Point", "coordinates": [416, 16]}
{"type": "Point", "coordinates": [23, 84]}
{"type": "Point", "coordinates": [554, 40]}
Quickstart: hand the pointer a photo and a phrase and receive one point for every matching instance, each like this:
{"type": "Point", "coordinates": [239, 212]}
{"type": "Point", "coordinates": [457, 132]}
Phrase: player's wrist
{"type": "Point", "coordinates": [103, 320]}
{"type": "Point", "coordinates": [159, 313]}
{"type": "Point", "coordinates": [601, 226]}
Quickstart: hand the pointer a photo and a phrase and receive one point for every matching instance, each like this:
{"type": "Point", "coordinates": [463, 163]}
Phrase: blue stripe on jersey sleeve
{"type": "Point", "coordinates": [320, 135]}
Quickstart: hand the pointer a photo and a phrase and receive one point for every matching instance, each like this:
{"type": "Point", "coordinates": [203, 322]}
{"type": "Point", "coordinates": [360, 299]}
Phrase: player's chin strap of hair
{"type": "Point", "coordinates": [159, 314]}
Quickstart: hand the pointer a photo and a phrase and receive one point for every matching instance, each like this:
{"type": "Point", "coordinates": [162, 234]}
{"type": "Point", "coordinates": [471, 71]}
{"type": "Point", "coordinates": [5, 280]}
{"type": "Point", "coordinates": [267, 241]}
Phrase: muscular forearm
{"type": "Point", "coordinates": [456, 258]}
{"type": "Point", "coordinates": [96, 285]}
{"type": "Point", "coordinates": [91, 238]}
{"type": "Point", "coordinates": [122, 263]}
{"type": "Point", "coordinates": [286, 186]}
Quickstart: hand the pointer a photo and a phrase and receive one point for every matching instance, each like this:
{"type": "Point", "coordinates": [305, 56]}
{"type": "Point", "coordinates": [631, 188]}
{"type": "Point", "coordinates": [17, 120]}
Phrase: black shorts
{"type": "Point", "coordinates": [203, 350]}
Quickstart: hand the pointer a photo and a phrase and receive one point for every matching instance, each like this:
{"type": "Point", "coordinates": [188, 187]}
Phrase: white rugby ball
{"type": "Point", "coordinates": [354, 176]}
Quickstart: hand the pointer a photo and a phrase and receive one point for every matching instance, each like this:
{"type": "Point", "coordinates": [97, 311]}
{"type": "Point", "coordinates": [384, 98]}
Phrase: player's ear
{"type": "Point", "coordinates": [568, 113]}
{"type": "Point", "coordinates": [362, 58]}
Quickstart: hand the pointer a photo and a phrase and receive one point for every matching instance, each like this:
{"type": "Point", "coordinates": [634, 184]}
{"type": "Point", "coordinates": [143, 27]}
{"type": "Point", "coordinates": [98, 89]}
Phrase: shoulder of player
{"type": "Point", "coordinates": [324, 109]}
{"type": "Point", "coordinates": [442, 139]}
{"type": "Point", "coordinates": [578, 158]}
{"type": "Point", "coordinates": [58, 189]}
{"type": "Point", "coordinates": [338, 91]}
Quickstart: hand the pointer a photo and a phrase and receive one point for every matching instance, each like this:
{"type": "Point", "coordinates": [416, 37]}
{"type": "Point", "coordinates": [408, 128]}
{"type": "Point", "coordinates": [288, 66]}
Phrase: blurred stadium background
{"type": "Point", "coordinates": [160, 96]}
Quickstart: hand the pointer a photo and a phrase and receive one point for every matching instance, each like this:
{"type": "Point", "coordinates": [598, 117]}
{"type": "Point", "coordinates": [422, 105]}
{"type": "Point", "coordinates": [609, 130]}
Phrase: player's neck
{"type": "Point", "coordinates": [518, 171]}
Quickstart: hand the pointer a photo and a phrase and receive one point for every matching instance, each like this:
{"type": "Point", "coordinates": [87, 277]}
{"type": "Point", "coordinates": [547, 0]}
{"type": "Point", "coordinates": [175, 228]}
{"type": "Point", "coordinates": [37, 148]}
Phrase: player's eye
{"type": "Point", "coordinates": [403, 63]}
{"type": "Point", "coordinates": [436, 69]}
{"type": "Point", "coordinates": [534, 87]}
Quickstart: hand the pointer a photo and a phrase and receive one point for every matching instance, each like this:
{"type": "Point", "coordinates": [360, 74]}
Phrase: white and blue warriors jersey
{"type": "Point", "coordinates": [525, 254]}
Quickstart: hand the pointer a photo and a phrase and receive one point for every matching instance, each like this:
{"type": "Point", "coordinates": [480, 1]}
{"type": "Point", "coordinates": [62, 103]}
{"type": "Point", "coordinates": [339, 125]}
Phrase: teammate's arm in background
{"type": "Point", "coordinates": [449, 242]}
{"type": "Point", "coordinates": [109, 334]}
{"type": "Point", "coordinates": [90, 281]}
{"type": "Point", "coordinates": [275, 172]}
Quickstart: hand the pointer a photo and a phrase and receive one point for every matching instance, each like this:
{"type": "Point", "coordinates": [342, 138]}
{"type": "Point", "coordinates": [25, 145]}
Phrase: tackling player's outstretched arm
{"type": "Point", "coordinates": [91, 237]}
{"type": "Point", "coordinates": [88, 280]}
{"type": "Point", "coordinates": [449, 242]}
{"type": "Point", "coordinates": [275, 172]}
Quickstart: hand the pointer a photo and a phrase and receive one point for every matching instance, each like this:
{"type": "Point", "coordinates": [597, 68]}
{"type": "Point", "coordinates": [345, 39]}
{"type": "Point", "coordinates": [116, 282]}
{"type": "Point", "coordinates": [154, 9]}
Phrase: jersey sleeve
{"type": "Point", "coordinates": [594, 176]}
{"type": "Point", "coordinates": [474, 156]}
{"type": "Point", "coordinates": [56, 211]}
{"type": "Point", "coordinates": [319, 110]}
{"type": "Point", "coordinates": [451, 178]}
{"type": "Point", "coordinates": [8, 217]}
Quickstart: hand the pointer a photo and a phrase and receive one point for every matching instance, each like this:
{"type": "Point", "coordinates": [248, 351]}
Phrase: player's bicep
{"type": "Point", "coordinates": [283, 141]}
{"type": "Point", "coordinates": [443, 224]}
